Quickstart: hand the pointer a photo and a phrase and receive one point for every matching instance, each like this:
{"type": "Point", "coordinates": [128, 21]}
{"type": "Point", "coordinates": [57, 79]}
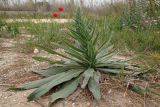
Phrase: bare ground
{"type": "Point", "coordinates": [39, 20]}
{"type": "Point", "coordinates": [15, 68]}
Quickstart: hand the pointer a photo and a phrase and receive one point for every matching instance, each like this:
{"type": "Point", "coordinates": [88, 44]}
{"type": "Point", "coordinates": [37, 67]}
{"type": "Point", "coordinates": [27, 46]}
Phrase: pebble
{"type": "Point", "coordinates": [88, 103]}
{"type": "Point", "coordinates": [36, 51]}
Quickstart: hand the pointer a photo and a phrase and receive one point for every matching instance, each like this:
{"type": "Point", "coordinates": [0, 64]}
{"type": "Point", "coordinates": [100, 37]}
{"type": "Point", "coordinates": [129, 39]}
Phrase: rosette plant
{"type": "Point", "coordinates": [84, 61]}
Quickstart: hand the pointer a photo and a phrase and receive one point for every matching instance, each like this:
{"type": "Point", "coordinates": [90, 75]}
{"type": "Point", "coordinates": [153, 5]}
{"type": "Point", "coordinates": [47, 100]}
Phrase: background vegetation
{"type": "Point", "coordinates": [136, 24]}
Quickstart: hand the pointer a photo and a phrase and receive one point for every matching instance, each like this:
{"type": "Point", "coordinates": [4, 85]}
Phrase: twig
{"type": "Point", "coordinates": [95, 103]}
{"type": "Point", "coordinates": [105, 84]}
{"type": "Point", "coordinates": [76, 94]}
{"type": "Point", "coordinates": [39, 103]}
{"type": "Point", "coordinates": [8, 85]}
{"type": "Point", "coordinates": [145, 95]}
{"type": "Point", "coordinates": [126, 89]}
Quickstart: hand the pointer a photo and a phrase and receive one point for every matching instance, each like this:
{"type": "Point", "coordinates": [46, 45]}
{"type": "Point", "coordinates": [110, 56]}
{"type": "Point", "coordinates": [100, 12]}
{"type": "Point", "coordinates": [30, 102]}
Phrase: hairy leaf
{"type": "Point", "coordinates": [60, 78]}
{"type": "Point", "coordinates": [37, 83]}
{"type": "Point", "coordinates": [87, 75]}
{"type": "Point", "coordinates": [52, 70]}
{"type": "Point", "coordinates": [67, 89]}
{"type": "Point", "coordinates": [43, 59]}
{"type": "Point", "coordinates": [51, 51]}
{"type": "Point", "coordinates": [114, 71]}
{"type": "Point", "coordinates": [94, 87]}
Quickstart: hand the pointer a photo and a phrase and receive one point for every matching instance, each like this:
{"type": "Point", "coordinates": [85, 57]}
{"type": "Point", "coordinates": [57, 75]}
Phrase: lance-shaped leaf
{"type": "Point", "coordinates": [87, 75]}
{"type": "Point", "coordinates": [52, 70]}
{"type": "Point", "coordinates": [140, 90]}
{"type": "Point", "coordinates": [104, 52]}
{"type": "Point", "coordinates": [44, 59]}
{"type": "Point", "coordinates": [106, 58]}
{"type": "Point", "coordinates": [94, 87]}
{"type": "Point", "coordinates": [114, 71]}
{"type": "Point", "coordinates": [37, 83]}
{"type": "Point", "coordinates": [67, 89]}
{"type": "Point", "coordinates": [51, 51]}
{"type": "Point", "coordinates": [105, 44]}
{"type": "Point", "coordinates": [60, 78]}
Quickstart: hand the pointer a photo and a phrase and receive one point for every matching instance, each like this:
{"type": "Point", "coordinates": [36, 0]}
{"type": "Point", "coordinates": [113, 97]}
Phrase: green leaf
{"type": "Point", "coordinates": [52, 70]}
{"type": "Point", "coordinates": [140, 90]}
{"type": "Point", "coordinates": [104, 52]}
{"type": "Point", "coordinates": [91, 52]}
{"type": "Point", "coordinates": [106, 58]}
{"type": "Point", "coordinates": [74, 34]}
{"type": "Point", "coordinates": [87, 75]}
{"type": "Point", "coordinates": [113, 64]}
{"type": "Point", "coordinates": [153, 92]}
{"type": "Point", "coordinates": [78, 56]}
{"type": "Point", "coordinates": [67, 89]}
{"type": "Point", "coordinates": [43, 59]}
{"type": "Point", "coordinates": [73, 47]}
{"type": "Point", "coordinates": [105, 43]}
{"type": "Point", "coordinates": [114, 71]}
{"type": "Point", "coordinates": [54, 52]}
{"type": "Point", "coordinates": [37, 83]}
{"type": "Point", "coordinates": [95, 40]}
{"type": "Point", "coordinates": [94, 87]}
{"type": "Point", "coordinates": [51, 51]}
{"type": "Point", "coordinates": [60, 78]}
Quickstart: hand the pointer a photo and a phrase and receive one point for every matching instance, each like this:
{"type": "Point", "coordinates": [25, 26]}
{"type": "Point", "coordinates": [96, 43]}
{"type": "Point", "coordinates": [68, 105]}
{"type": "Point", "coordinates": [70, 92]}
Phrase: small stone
{"type": "Point", "coordinates": [88, 103]}
{"type": "Point", "coordinates": [109, 91]}
{"type": "Point", "coordinates": [36, 51]}
{"type": "Point", "coordinates": [73, 104]}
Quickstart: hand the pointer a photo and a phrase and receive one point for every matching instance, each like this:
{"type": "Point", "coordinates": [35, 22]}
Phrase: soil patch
{"type": "Point", "coordinates": [15, 69]}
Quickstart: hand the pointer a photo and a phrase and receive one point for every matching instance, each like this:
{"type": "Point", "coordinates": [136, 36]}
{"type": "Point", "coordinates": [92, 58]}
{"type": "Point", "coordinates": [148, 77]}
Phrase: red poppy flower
{"type": "Point", "coordinates": [60, 8]}
{"type": "Point", "coordinates": [55, 14]}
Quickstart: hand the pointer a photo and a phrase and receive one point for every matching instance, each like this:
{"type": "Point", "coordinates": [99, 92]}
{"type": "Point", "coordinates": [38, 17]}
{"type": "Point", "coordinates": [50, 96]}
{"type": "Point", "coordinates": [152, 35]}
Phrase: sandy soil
{"type": "Point", "coordinates": [15, 68]}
